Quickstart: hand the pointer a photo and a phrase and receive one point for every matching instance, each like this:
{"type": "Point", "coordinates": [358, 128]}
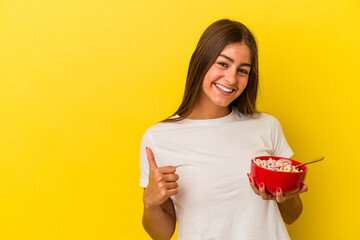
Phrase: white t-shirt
{"type": "Point", "coordinates": [212, 157]}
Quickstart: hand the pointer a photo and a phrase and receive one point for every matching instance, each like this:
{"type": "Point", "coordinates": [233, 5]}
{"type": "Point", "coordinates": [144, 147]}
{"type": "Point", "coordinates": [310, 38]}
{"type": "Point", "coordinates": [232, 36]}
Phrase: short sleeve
{"type": "Point", "coordinates": [144, 164]}
{"type": "Point", "coordinates": [280, 147]}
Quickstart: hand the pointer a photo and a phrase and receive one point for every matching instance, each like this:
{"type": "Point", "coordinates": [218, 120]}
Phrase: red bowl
{"type": "Point", "coordinates": [289, 182]}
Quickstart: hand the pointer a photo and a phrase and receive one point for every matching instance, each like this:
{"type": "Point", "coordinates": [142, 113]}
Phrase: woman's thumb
{"type": "Point", "coordinates": [151, 159]}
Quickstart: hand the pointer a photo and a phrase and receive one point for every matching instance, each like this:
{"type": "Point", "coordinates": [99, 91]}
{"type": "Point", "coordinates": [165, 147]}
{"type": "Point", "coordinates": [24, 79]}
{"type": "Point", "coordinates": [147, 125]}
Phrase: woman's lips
{"type": "Point", "coordinates": [223, 92]}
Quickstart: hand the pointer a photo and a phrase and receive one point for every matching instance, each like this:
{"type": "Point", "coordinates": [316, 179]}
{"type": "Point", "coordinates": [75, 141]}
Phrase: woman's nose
{"type": "Point", "coordinates": [231, 77]}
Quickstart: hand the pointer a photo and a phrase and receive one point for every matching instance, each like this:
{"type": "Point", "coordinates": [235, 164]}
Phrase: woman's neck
{"type": "Point", "coordinates": [209, 113]}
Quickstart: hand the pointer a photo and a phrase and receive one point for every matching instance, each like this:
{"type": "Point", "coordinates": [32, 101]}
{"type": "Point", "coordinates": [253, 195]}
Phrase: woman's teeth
{"type": "Point", "coordinates": [224, 88]}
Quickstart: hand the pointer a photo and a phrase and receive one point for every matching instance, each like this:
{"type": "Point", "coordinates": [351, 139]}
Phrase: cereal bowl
{"type": "Point", "coordinates": [289, 182]}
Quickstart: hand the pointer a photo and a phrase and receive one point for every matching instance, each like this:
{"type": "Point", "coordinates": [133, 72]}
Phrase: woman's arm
{"type": "Point", "coordinates": [160, 221]}
{"type": "Point", "coordinates": [291, 209]}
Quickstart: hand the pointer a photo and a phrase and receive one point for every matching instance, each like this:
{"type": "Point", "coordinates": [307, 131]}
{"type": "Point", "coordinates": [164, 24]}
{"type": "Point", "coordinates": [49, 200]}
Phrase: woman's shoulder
{"type": "Point", "coordinates": [254, 116]}
{"type": "Point", "coordinates": [271, 120]}
{"type": "Point", "coordinates": [263, 118]}
{"type": "Point", "coordinates": [268, 116]}
{"type": "Point", "coordinates": [162, 126]}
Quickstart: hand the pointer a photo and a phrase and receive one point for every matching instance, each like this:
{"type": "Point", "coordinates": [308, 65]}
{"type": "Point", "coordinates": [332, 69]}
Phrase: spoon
{"type": "Point", "coordinates": [310, 162]}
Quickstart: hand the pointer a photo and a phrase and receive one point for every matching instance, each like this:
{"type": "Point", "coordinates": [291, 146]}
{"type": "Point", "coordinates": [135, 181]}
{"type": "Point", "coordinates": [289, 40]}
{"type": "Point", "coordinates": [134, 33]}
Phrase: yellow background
{"type": "Point", "coordinates": [80, 81]}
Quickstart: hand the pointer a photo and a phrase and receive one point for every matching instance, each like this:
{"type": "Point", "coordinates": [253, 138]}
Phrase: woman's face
{"type": "Point", "coordinates": [227, 77]}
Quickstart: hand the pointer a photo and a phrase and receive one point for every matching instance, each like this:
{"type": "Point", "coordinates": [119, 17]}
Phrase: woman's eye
{"type": "Point", "coordinates": [222, 64]}
{"type": "Point", "coordinates": [243, 71]}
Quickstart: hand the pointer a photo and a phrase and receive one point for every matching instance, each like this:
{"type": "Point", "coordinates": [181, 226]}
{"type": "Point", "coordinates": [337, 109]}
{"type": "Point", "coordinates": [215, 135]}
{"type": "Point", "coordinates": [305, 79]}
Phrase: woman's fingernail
{"type": "Point", "coordinates": [250, 180]}
{"type": "Point", "coordinates": [261, 185]}
{"type": "Point", "coordinates": [306, 187]}
{"type": "Point", "coordinates": [278, 189]}
{"type": "Point", "coordinates": [248, 174]}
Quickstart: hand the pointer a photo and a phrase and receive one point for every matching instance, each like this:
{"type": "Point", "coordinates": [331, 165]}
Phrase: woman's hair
{"type": "Point", "coordinates": [218, 35]}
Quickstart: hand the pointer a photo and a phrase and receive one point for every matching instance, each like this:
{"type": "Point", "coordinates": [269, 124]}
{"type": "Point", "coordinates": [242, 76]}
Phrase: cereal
{"type": "Point", "coordinates": [282, 165]}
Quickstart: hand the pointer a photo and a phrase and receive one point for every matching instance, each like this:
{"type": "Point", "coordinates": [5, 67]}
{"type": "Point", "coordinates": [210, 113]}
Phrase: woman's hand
{"type": "Point", "coordinates": [280, 197]}
{"type": "Point", "coordinates": [162, 183]}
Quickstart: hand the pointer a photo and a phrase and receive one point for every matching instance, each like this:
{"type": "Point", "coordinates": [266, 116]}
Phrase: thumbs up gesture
{"type": "Point", "coordinates": [162, 182]}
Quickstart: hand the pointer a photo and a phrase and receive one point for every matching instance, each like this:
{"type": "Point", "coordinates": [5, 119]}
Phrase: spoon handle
{"type": "Point", "coordinates": [311, 162]}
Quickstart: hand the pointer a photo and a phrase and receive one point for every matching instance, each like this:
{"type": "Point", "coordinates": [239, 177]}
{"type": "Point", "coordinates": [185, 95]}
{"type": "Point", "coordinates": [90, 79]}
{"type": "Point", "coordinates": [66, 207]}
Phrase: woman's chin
{"type": "Point", "coordinates": [222, 103]}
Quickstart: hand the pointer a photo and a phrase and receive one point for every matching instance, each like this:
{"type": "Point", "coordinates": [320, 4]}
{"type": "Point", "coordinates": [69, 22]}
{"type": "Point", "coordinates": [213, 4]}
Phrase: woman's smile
{"type": "Point", "coordinates": [224, 89]}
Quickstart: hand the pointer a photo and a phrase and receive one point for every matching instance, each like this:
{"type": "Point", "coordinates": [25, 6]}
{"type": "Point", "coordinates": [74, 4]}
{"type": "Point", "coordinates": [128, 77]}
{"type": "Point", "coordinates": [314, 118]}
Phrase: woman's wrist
{"type": "Point", "coordinates": [149, 206]}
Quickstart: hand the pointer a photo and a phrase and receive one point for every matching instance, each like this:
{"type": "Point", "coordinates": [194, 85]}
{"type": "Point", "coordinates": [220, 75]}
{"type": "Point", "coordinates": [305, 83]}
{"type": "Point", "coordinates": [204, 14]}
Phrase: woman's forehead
{"type": "Point", "coordinates": [236, 52]}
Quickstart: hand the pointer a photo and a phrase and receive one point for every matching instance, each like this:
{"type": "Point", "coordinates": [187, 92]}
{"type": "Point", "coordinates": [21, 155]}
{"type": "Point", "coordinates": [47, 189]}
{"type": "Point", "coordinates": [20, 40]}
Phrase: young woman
{"type": "Point", "coordinates": [194, 164]}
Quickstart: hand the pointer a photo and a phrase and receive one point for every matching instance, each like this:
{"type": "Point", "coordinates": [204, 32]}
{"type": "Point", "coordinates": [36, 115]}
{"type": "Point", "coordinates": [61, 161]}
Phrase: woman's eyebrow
{"type": "Point", "coordinates": [232, 60]}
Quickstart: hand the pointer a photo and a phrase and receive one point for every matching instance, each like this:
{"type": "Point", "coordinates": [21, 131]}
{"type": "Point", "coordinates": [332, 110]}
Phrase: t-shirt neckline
{"type": "Point", "coordinates": [224, 119]}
